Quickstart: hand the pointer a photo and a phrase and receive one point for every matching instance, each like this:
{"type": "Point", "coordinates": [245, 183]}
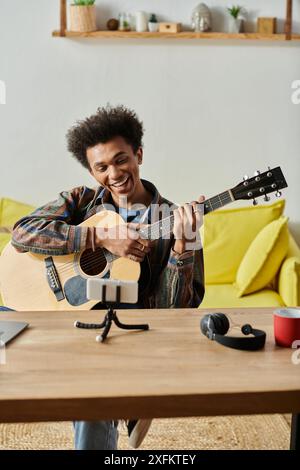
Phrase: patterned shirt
{"type": "Point", "coordinates": [176, 281]}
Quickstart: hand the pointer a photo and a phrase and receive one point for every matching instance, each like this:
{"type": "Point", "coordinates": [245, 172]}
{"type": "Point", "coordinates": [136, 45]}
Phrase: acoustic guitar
{"type": "Point", "coordinates": [31, 281]}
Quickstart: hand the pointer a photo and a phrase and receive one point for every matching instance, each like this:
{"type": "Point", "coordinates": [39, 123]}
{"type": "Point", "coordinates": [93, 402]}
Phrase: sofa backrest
{"type": "Point", "coordinates": [227, 236]}
{"type": "Point", "coordinates": [10, 212]}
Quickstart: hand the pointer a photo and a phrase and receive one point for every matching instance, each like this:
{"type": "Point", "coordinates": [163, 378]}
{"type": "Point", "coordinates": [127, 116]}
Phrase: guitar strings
{"type": "Point", "coordinates": [91, 260]}
{"type": "Point", "coordinates": [154, 229]}
{"type": "Point", "coordinates": [94, 258]}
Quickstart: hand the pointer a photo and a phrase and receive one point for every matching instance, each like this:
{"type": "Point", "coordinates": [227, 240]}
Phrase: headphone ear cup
{"type": "Point", "coordinates": [214, 323]}
{"type": "Point", "coordinates": [247, 329]}
{"type": "Point", "coordinates": [206, 324]}
{"type": "Point", "coordinates": [221, 323]}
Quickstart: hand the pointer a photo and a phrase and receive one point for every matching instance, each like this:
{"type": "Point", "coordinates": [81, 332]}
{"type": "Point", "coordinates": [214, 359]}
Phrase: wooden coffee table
{"type": "Point", "coordinates": [57, 372]}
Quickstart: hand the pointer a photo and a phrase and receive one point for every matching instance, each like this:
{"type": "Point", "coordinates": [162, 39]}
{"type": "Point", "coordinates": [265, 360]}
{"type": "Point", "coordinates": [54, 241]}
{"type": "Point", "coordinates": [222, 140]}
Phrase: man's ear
{"type": "Point", "coordinates": [139, 154]}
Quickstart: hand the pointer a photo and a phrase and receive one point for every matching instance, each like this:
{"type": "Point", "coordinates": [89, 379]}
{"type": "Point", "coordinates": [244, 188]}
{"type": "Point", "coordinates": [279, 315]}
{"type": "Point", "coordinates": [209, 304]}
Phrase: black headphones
{"type": "Point", "coordinates": [216, 325]}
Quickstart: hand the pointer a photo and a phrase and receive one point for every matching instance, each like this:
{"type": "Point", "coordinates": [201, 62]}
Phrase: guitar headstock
{"type": "Point", "coordinates": [261, 184]}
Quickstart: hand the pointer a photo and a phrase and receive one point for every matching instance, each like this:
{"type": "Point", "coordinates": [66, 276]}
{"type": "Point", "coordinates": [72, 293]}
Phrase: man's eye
{"type": "Point", "coordinates": [101, 168]}
{"type": "Point", "coordinates": [120, 162]}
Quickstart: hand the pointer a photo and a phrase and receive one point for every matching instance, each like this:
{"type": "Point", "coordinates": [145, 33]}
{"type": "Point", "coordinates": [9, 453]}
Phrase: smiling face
{"type": "Point", "coordinates": [115, 167]}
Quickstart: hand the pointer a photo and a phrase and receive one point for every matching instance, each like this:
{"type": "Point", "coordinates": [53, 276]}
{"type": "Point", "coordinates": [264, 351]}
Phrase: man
{"type": "Point", "coordinates": [109, 145]}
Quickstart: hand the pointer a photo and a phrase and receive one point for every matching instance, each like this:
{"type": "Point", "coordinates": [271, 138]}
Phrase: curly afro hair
{"type": "Point", "coordinates": [107, 123]}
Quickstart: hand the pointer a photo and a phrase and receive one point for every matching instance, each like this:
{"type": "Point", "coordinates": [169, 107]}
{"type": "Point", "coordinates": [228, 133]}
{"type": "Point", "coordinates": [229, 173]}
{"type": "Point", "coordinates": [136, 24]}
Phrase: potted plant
{"type": "Point", "coordinates": [236, 19]}
{"type": "Point", "coordinates": [83, 16]}
{"type": "Point", "coordinates": [153, 24]}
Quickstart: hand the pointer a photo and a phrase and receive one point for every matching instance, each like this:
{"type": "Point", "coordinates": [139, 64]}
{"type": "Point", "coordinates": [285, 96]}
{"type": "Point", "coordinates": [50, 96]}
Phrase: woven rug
{"type": "Point", "coordinates": [238, 432]}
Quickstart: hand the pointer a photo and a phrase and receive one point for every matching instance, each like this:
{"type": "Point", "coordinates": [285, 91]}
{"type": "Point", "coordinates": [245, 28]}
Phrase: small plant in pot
{"type": "Point", "coordinates": [153, 23]}
{"type": "Point", "coordinates": [236, 18]}
{"type": "Point", "coordinates": [83, 16]}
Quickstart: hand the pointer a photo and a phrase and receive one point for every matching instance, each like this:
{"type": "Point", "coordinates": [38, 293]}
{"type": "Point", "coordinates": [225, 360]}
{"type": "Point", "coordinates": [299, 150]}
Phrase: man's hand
{"type": "Point", "coordinates": [123, 240]}
{"type": "Point", "coordinates": [187, 222]}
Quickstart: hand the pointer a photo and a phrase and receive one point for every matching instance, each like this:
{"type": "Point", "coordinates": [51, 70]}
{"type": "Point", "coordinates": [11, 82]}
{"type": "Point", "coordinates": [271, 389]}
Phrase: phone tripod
{"type": "Point", "coordinates": [110, 317]}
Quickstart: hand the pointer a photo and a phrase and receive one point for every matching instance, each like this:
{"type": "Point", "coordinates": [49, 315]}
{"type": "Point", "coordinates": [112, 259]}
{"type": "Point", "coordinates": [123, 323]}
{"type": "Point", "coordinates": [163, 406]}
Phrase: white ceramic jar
{"type": "Point", "coordinates": [141, 21]}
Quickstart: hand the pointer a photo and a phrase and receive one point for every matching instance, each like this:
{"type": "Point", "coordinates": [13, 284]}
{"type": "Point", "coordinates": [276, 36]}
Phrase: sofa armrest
{"type": "Point", "coordinates": [289, 281]}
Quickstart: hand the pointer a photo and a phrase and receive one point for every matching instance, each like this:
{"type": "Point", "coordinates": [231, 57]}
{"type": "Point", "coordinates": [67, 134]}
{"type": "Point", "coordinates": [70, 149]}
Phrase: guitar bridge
{"type": "Point", "coordinates": [53, 279]}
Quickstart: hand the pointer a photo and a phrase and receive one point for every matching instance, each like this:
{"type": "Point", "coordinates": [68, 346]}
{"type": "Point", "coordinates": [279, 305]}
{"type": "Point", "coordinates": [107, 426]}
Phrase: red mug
{"type": "Point", "coordinates": [286, 326]}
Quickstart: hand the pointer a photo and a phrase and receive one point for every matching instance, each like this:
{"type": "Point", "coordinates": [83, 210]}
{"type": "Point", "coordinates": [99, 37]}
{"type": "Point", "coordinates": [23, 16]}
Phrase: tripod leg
{"type": "Point", "coordinates": [89, 326]}
{"type": "Point", "coordinates": [108, 322]}
{"type": "Point", "coordinates": [102, 325]}
{"type": "Point", "coordinates": [128, 327]}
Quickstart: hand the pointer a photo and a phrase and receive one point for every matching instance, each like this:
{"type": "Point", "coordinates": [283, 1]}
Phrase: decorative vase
{"type": "Point", "coordinates": [141, 21]}
{"type": "Point", "coordinates": [83, 18]}
{"type": "Point", "coordinates": [235, 25]}
{"type": "Point", "coordinates": [124, 22]}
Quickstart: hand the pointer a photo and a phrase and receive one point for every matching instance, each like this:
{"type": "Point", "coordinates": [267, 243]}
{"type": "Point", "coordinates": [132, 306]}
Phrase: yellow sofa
{"type": "Point", "coordinates": [228, 236]}
{"type": "Point", "coordinates": [10, 212]}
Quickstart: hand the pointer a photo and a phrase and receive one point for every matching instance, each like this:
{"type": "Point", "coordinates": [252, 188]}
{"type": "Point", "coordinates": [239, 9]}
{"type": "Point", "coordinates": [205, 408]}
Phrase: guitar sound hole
{"type": "Point", "coordinates": [92, 262]}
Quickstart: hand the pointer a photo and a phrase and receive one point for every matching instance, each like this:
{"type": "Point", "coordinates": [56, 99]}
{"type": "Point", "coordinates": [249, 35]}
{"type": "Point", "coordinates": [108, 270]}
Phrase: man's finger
{"type": "Point", "coordinates": [198, 212]}
{"type": "Point", "coordinates": [132, 233]}
{"type": "Point", "coordinates": [146, 243]}
{"type": "Point", "coordinates": [188, 221]}
{"type": "Point", "coordinates": [178, 216]}
{"type": "Point", "coordinates": [136, 255]}
{"type": "Point", "coordinates": [133, 226]}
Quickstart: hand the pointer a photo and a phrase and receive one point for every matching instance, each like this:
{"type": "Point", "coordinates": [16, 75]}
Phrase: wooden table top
{"type": "Point", "coordinates": [54, 371]}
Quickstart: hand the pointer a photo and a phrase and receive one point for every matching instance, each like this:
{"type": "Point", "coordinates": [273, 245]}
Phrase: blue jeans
{"type": "Point", "coordinates": [96, 435]}
{"type": "Point", "coordinates": [92, 435]}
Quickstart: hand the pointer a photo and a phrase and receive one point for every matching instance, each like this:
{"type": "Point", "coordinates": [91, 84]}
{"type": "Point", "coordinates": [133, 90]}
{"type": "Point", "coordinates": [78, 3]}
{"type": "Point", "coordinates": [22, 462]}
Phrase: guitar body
{"type": "Point", "coordinates": [24, 282]}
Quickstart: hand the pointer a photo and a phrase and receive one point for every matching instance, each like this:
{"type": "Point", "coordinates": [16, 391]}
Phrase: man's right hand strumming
{"type": "Point", "coordinates": [124, 241]}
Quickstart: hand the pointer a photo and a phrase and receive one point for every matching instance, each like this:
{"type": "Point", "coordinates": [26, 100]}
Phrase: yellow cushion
{"type": "Point", "coordinates": [11, 211]}
{"type": "Point", "coordinates": [263, 257]}
{"type": "Point", "coordinates": [227, 236]}
{"type": "Point", "coordinates": [294, 249]}
{"type": "Point", "coordinates": [225, 296]}
{"type": "Point", "coordinates": [289, 281]}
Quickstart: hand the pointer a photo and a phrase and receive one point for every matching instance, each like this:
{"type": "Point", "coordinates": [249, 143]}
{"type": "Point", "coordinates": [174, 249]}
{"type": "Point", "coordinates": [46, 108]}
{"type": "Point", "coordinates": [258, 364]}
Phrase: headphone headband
{"type": "Point", "coordinates": [216, 325]}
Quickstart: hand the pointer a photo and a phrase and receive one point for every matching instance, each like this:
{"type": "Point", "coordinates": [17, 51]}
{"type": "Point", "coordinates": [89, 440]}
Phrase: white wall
{"type": "Point", "coordinates": [213, 110]}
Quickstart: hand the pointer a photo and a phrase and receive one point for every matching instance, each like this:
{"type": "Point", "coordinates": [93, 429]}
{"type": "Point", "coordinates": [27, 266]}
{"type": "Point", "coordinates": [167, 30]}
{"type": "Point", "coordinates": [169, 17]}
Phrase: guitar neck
{"type": "Point", "coordinates": [165, 226]}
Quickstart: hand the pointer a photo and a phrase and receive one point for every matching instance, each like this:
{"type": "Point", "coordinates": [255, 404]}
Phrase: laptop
{"type": "Point", "coordinates": [10, 329]}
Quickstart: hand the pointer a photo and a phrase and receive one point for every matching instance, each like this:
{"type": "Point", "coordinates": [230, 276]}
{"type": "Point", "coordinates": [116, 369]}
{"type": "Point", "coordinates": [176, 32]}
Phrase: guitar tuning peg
{"type": "Point", "coordinates": [255, 202]}
{"type": "Point", "coordinates": [278, 193]}
{"type": "Point", "coordinates": [266, 198]}
{"type": "Point", "coordinates": [246, 177]}
{"type": "Point", "coordinates": [256, 173]}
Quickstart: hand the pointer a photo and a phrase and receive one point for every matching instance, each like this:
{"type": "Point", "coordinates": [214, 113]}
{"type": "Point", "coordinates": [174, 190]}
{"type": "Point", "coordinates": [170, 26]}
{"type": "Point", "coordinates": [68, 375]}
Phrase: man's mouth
{"type": "Point", "coordinates": [121, 183]}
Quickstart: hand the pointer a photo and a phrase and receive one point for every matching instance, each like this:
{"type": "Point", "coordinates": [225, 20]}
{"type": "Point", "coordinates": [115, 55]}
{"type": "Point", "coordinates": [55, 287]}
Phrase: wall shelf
{"type": "Point", "coordinates": [182, 35]}
{"type": "Point", "coordinates": [286, 36]}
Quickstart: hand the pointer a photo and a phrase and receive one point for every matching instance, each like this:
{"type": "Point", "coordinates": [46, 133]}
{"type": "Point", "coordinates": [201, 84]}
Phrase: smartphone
{"type": "Point", "coordinates": [129, 290]}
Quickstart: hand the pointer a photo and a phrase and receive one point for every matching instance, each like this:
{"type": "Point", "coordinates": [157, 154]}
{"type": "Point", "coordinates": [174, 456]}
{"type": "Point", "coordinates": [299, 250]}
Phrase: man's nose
{"type": "Point", "coordinates": [114, 173]}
